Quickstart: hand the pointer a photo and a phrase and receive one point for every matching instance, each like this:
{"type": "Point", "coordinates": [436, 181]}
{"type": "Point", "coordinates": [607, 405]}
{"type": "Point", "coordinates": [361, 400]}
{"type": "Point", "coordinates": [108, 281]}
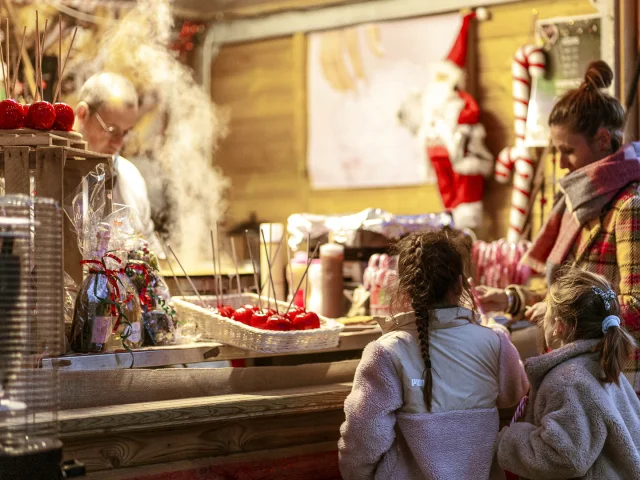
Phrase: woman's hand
{"type": "Point", "coordinates": [536, 313]}
{"type": "Point", "coordinates": [492, 299]}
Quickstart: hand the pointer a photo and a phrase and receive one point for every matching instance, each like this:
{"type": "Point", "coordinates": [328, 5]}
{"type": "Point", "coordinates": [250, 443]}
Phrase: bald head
{"type": "Point", "coordinates": [107, 110]}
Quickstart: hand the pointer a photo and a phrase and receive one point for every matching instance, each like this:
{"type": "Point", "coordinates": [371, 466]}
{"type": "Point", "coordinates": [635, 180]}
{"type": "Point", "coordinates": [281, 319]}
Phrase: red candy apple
{"type": "Point", "coordinates": [295, 311]}
{"type": "Point", "coordinates": [259, 319]}
{"type": "Point", "coordinates": [11, 114]}
{"type": "Point", "coordinates": [225, 311]}
{"type": "Point", "coordinates": [243, 315]}
{"type": "Point", "coordinates": [278, 322]}
{"type": "Point", "coordinates": [41, 116]}
{"type": "Point", "coordinates": [25, 115]}
{"type": "Point", "coordinates": [64, 117]}
{"type": "Point", "coordinates": [253, 308]}
{"type": "Point", "coordinates": [306, 321]}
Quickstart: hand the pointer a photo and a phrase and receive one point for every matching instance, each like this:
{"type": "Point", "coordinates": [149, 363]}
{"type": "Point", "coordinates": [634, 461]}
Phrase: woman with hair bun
{"type": "Point", "coordinates": [595, 220]}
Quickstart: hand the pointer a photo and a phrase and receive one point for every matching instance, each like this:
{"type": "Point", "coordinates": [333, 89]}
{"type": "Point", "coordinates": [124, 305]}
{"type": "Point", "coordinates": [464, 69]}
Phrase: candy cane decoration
{"type": "Point", "coordinates": [528, 63]}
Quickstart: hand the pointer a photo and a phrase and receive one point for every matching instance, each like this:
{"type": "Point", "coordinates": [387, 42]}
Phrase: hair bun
{"type": "Point", "coordinates": [598, 75]}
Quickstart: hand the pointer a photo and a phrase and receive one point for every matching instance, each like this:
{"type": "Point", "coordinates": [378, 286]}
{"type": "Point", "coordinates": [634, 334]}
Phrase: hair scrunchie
{"type": "Point", "coordinates": [610, 321]}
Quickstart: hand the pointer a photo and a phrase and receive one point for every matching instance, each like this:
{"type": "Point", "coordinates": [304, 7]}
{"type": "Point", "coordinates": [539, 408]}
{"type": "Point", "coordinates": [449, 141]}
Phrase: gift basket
{"type": "Point", "coordinates": [240, 320]}
{"type": "Point", "coordinates": [159, 318]}
{"type": "Point", "coordinates": [107, 313]}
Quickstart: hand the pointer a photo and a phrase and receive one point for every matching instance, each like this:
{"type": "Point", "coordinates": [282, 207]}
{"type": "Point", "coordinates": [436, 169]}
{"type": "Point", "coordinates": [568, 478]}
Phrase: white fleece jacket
{"type": "Point", "coordinates": [388, 433]}
{"type": "Point", "coordinates": [574, 425]}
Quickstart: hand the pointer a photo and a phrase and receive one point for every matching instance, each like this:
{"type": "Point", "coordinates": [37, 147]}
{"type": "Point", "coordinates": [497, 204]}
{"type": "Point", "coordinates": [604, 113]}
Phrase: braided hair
{"type": "Point", "coordinates": [432, 269]}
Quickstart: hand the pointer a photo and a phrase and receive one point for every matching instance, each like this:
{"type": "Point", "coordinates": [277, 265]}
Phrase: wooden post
{"type": "Point", "coordinates": [16, 170]}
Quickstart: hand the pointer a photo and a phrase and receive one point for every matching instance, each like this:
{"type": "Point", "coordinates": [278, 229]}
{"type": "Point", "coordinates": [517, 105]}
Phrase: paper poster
{"type": "Point", "coordinates": [570, 45]}
{"type": "Point", "coordinates": [358, 80]}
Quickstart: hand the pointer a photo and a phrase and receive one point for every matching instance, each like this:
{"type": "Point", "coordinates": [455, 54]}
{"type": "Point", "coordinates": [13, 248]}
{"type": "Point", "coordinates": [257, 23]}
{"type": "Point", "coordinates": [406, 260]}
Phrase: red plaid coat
{"type": "Point", "coordinates": [610, 246]}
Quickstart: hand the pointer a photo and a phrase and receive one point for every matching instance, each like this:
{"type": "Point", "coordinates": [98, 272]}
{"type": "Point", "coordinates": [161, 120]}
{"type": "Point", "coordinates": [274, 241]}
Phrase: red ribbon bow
{"type": "Point", "coordinates": [145, 298]}
{"type": "Point", "coordinates": [112, 279]}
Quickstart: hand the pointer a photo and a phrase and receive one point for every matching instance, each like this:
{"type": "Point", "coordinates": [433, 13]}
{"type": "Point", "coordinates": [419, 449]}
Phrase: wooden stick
{"type": "Point", "coordinates": [275, 298]}
{"type": "Point", "coordinates": [4, 72]}
{"type": "Point", "coordinates": [269, 260]}
{"type": "Point", "coordinates": [255, 270]}
{"type": "Point", "coordinates": [37, 62]}
{"type": "Point", "coordinates": [215, 281]}
{"type": "Point", "coordinates": [6, 41]}
{"type": "Point", "coordinates": [44, 34]}
{"type": "Point", "coordinates": [59, 53]}
{"type": "Point", "coordinates": [306, 285]}
{"type": "Point", "coordinates": [290, 268]}
{"type": "Point", "coordinates": [64, 66]}
{"type": "Point", "coordinates": [17, 68]}
{"type": "Point", "coordinates": [186, 275]}
{"type": "Point", "coordinates": [219, 264]}
{"type": "Point", "coordinates": [303, 276]}
{"type": "Point", "coordinates": [175, 278]}
{"type": "Point", "coordinates": [235, 262]}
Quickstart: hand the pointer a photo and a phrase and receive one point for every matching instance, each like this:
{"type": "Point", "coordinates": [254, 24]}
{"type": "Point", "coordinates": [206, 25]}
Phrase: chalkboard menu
{"type": "Point", "coordinates": [570, 45]}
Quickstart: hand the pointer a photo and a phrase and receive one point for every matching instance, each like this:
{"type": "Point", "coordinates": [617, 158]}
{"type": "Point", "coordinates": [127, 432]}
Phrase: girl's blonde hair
{"type": "Point", "coordinates": [575, 301]}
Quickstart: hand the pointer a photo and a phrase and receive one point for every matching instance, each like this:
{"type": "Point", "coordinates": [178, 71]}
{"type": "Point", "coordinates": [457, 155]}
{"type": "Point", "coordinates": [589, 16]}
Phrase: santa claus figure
{"type": "Point", "coordinates": [445, 119]}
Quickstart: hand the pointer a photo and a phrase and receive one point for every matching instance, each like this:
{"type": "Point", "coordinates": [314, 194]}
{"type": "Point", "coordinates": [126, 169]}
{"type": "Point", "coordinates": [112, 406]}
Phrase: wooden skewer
{"type": "Point", "coordinates": [186, 275]}
{"type": "Point", "coordinates": [255, 270]}
{"type": "Point", "coordinates": [219, 264]}
{"type": "Point", "coordinates": [290, 268]}
{"type": "Point", "coordinates": [17, 67]}
{"type": "Point", "coordinates": [306, 285]}
{"type": "Point", "coordinates": [175, 278]}
{"type": "Point", "coordinates": [4, 72]}
{"type": "Point", "coordinates": [44, 34]}
{"type": "Point", "coordinates": [6, 41]}
{"type": "Point", "coordinates": [64, 66]}
{"type": "Point", "coordinates": [235, 262]}
{"type": "Point", "coordinates": [59, 53]}
{"type": "Point", "coordinates": [303, 277]}
{"type": "Point", "coordinates": [269, 259]}
{"type": "Point", "coordinates": [215, 281]}
{"type": "Point", "coordinates": [37, 62]}
{"type": "Point", "coordinates": [275, 298]}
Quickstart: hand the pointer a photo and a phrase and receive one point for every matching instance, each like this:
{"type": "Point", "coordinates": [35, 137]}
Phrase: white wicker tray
{"type": "Point", "coordinates": [213, 327]}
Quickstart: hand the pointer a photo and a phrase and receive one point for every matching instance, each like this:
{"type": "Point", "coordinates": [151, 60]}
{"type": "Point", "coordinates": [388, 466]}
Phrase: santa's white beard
{"type": "Point", "coordinates": [438, 96]}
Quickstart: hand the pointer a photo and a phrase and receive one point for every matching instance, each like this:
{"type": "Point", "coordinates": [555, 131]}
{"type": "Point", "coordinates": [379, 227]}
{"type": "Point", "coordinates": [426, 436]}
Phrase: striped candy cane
{"type": "Point", "coordinates": [520, 409]}
{"type": "Point", "coordinates": [528, 62]}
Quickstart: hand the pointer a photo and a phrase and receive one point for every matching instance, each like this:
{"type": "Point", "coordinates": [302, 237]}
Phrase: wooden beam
{"type": "Point", "coordinates": [288, 23]}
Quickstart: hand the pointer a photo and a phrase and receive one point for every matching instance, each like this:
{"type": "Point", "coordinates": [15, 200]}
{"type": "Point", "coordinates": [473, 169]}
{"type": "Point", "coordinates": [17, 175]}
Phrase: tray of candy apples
{"type": "Point", "coordinates": [253, 323]}
{"type": "Point", "coordinates": [39, 116]}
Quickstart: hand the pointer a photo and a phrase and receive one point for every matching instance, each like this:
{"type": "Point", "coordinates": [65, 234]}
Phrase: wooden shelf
{"type": "Point", "coordinates": [194, 353]}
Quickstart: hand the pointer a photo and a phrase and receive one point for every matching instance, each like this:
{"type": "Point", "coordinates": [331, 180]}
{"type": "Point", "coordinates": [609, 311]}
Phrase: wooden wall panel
{"type": "Point", "coordinates": [265, 153]}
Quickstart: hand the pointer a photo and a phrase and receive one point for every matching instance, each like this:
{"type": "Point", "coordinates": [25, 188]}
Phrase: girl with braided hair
{"type": "Point", "coordinates": [426, 394]}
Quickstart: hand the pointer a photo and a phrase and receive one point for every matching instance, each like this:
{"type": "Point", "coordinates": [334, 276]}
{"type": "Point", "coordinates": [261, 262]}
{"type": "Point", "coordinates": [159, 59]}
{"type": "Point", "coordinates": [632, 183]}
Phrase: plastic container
{"type": "Point", "coordinates": [315, 287]}
{"type": "Point", "coordinates": [332, 259]}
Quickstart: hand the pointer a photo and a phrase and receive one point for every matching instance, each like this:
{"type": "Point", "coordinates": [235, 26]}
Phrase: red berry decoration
{"type": "Point", "coordinates": [278, 322]}
{"type": "Point", "coordinates": [11, 114]}
{"type": "Point", "coordinates": [259, 320]}
{"type": "Point", "coordinates": [41, 116]}
{"type": "Point", "coordinates": [306, 321]}
{"type": "Point", "coordinates": [243, 315]}
{"type": "Point", "coordinates": [64, 117]}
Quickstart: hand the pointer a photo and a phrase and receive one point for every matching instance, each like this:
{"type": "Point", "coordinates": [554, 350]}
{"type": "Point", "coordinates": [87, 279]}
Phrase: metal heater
{"type": "Point", "coordinates": [31, 296]}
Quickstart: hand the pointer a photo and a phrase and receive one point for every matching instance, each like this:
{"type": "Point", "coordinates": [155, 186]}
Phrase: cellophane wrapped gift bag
{"type": "Point", "coordinates": [107, 313]}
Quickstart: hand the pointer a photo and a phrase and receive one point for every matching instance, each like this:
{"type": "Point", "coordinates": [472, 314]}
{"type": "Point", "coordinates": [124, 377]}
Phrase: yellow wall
{"type": "Point", "coordinates": [264, 85]}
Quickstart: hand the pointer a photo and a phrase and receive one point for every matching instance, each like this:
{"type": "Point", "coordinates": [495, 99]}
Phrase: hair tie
{"type": "Point", "coordinates": [607, 297]}
{"type": "Point", "coordinates": [610, 321]}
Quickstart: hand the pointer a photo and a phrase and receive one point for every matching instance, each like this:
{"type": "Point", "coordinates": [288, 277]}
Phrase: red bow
{"type": "Point", "coordinates": [112, 279]}
{"type": "Point", "coordinates": [145, 298]}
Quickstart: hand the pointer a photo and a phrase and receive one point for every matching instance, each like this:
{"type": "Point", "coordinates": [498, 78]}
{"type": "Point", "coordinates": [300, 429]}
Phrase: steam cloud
{"type": "Point", "coordinates": [178, 167]}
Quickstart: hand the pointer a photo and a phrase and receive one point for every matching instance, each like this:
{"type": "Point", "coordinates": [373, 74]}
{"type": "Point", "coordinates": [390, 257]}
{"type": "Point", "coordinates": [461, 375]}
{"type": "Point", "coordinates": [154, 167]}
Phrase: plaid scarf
{"type": "Point", "coordinates": [582, 196]}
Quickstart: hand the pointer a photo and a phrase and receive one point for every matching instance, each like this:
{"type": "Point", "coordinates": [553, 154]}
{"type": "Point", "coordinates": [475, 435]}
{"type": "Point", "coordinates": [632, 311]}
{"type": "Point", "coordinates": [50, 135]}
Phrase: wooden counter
{"type": "Point", "coordinates": [272, 422]}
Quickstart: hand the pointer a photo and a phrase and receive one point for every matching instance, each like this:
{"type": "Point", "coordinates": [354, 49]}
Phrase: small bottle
{"type": "Point", "coordinates": [92, 319]}
{"type": "Point", "coordinates": [332, 259]}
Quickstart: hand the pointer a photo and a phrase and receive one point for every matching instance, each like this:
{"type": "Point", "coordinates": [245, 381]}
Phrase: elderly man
{"type": "Point", "coordinates": [106, 113]}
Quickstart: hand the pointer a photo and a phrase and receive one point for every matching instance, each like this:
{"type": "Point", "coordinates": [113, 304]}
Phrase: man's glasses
{"type": "Point", "coordinates": [112, 131]}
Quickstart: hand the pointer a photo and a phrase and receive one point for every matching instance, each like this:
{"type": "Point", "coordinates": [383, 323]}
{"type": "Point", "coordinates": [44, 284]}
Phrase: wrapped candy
{"type": "Point", "coordinates": [107, 312]}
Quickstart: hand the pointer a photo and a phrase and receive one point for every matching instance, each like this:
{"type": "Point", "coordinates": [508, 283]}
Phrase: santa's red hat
{"type": "Point", "coordinates": [458, 53]}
